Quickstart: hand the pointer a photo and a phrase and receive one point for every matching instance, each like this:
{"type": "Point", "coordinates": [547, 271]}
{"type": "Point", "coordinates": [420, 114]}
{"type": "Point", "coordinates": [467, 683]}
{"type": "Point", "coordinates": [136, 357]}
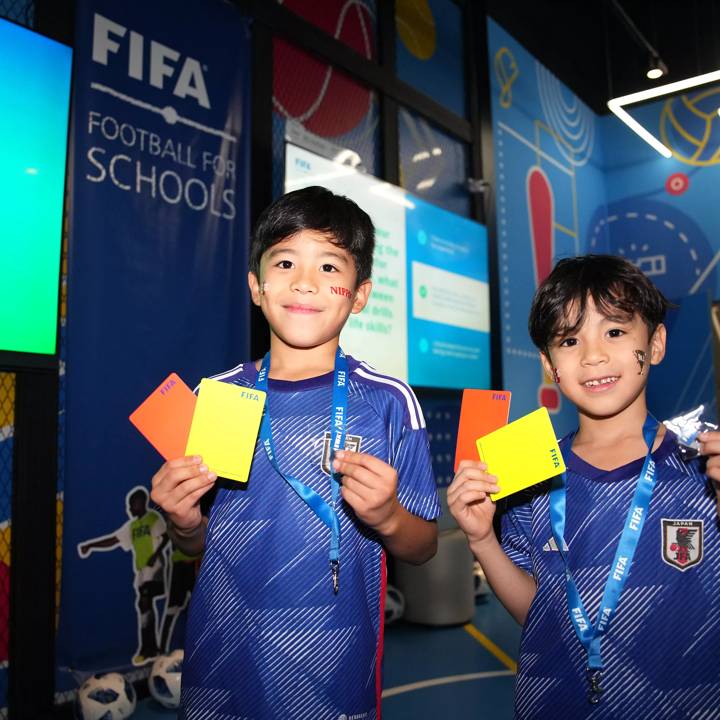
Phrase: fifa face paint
{"type": "Point", "coordinates": [640, 357]}
{"type": "Point", "coordinates": [556, 375]}
{"type": "Point", "coordinates": [344, 292]}
{"type": "Point", "coordinates": [263, 287]}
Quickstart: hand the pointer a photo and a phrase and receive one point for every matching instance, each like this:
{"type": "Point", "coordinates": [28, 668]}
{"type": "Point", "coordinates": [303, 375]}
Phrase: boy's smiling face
{"type": "Point", "coordinates": [306, 289]}
{"type": "Point", "coordinates": [598, 364]}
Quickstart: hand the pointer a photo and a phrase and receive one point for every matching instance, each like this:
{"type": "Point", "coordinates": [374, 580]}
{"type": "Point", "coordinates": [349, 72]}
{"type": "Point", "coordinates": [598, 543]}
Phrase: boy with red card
{"type": "Point", "coordinates": [613, 566]}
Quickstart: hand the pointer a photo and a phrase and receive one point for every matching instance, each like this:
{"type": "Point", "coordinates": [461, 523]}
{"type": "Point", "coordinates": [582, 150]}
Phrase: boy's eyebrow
{"type": "Point", "coordinates": [336, 255]}
{"type": "Point", "coordinates": [276, 250]}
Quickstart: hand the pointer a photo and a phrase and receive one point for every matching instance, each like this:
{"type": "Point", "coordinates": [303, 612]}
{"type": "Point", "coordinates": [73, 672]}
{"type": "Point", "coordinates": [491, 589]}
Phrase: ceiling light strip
{"type": "Point", "coordinates": [616, 105]}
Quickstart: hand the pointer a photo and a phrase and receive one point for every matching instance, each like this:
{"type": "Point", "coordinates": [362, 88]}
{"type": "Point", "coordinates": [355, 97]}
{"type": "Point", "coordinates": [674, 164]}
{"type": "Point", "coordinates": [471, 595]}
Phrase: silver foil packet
{"type": "Point", "coordinates": [687, 427]}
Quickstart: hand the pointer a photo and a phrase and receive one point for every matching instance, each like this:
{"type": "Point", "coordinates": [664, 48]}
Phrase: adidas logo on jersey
{"type": "Point", "coordinates": [551, 546]}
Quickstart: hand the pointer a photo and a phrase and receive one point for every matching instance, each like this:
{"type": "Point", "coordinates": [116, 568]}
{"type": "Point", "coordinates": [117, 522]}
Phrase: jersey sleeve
{"type": "Point", "coordinates": [515, 534]}
{"type": "Point", "coordinates": [416, 488]}
{"type": "Point", "coordinates": [124, 536]}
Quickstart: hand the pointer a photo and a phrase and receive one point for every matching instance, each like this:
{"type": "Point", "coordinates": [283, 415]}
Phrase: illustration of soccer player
{"type": "Point", "coordinates": [144, 534]}
{"type": "Point", "coordinates": [182, 580]}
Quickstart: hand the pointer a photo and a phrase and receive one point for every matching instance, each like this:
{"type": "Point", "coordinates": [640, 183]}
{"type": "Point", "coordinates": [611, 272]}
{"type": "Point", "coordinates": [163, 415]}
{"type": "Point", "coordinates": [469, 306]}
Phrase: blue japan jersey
{"type": "Point", "coordinates": [662, 650]}
{"type": "Point", "coordinates": [267, 637]}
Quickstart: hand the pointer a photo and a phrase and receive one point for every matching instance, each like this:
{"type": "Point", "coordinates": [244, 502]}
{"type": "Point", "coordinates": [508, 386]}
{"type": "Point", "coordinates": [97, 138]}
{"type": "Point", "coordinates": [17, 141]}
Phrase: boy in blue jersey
{"type": "Point", "coordinates": [286, 618]}
{"type": "Point", "coordinates": [612, 568]}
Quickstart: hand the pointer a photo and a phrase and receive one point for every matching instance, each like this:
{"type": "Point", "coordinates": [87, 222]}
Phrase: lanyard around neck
{"type": "Point", "coordinates": [325, 511]}
{"type": "Point", "coordinates": [589, 634]}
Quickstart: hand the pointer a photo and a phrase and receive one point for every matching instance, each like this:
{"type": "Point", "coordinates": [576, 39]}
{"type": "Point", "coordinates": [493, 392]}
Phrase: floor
{"type": "Point", "coordinates": [449, 673]}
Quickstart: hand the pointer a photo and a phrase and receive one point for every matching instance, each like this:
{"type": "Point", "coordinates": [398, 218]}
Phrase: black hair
{"type": "Point", "coordinates": [316, 208]}
{"type": "Point", "coordinates": [138, 493]}
{"type": "Point", "coordinates": [616, 286]}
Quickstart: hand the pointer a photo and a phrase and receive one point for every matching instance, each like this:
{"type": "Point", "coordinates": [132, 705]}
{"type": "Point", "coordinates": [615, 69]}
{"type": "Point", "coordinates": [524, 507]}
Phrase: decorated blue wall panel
{"type": "Point", "coordinates": [570, 182]}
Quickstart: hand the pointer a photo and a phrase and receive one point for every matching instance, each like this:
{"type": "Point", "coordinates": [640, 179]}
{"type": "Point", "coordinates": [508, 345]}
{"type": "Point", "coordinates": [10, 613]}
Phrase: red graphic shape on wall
{"type": "Point", "coordinates": [541, 209]}
{"type": "Point", "coordinates": [325, 101]}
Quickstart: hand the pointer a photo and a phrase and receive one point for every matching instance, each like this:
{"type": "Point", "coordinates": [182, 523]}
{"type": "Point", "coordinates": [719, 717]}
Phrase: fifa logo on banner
{"type": "Point", "coordinates": [189, 81]}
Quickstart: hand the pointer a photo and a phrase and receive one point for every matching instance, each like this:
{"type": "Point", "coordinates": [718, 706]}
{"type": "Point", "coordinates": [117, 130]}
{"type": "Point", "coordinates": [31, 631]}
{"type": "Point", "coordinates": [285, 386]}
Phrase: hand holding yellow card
{"type": "Point", "coordinates": [522, 454]}
{"type": "Point", "coordinates": [225, 427]}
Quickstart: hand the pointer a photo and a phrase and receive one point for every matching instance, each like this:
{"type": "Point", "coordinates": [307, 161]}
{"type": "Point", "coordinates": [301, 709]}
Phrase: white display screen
{"type": "Point", "coordinates": [428, 318]}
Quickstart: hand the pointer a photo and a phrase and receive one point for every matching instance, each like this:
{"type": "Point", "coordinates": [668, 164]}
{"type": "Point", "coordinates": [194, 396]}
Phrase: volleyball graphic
{"type": "Point", "coordinates": [690, 127]}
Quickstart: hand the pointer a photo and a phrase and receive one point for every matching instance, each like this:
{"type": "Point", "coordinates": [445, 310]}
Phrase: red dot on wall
{"type": "Point", "coordinates": [677, 183]}
{"type": "Point", "coordinates": [550, 398]}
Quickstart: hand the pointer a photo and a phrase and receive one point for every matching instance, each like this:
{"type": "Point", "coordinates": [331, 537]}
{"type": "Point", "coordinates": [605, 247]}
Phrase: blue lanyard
{"type": "Point", "coordinates": [589, 634]}
{"type": "Point", "coordinates": [326, 512]}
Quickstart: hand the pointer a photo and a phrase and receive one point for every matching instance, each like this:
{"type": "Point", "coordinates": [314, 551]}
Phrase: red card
{"type": "Point", "coordinates": [166, 416]}
{"type": "Point", "coordinates": [482, 411]}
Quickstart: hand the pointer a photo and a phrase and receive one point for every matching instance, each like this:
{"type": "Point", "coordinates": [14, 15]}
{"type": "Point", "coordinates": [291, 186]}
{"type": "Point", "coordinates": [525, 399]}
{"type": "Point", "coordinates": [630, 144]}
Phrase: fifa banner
{"type": "Point", "coordinates": [157, 276]}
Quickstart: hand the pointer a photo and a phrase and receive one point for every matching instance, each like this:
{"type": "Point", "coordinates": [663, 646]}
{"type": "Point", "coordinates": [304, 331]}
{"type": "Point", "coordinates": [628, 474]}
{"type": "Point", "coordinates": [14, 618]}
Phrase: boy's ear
{"type": "Point", "coordinates": [362, 293]}
{"type": "Point", "coordinates": [657, 344]}
{"type": "Point", "coordinates": [254, 285]}
{"type": "Point", "coordinates": [547, 365]}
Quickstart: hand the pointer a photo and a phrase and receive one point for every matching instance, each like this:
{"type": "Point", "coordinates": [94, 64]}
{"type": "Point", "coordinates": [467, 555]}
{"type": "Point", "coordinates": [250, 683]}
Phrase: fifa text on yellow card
{"type": "Point", "coordinates": [522, 454]}
{"type": "Point", "coordinates": [225, 427]}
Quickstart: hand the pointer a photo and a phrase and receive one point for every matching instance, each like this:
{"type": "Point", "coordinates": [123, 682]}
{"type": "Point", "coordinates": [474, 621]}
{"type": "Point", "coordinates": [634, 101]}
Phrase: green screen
{"type": "Point", "coordinates": [34, 99]}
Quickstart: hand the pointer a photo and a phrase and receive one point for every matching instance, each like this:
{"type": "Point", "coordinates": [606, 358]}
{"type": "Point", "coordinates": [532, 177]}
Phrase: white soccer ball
{"type": "Point", "coordinates": [105, 696]}
{"type": "Point", "coordinates": [394, 604]}
{"type": "Point", "coordinates": [164, 681]}
{"type": "Point", "coordinates": [480, 585]}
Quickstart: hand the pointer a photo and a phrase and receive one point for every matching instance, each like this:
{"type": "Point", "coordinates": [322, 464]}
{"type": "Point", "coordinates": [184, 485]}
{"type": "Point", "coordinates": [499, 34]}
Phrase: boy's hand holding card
{"type": "Point", "coordinates": [522, 454]}
{"type": "Point", "coordinates": [225, 427]}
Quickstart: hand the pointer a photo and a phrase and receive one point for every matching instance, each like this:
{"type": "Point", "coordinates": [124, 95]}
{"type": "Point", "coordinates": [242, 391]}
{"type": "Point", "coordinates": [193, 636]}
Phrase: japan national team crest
{"type": "Point", "coordinates": [682, 543]}
{"type": "Point", "coordinates": [352, 443]}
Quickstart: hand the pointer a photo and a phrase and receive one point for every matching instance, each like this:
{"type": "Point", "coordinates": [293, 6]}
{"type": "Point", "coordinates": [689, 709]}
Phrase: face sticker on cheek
{"type": "Point", "coordinates": [264, 287]}
{"type": "Point", "coordinates": [640, 357]}
{"type": "Point", "coordinates": [556, 375]}
{"type": "Point", "coordinates": [344, 292]}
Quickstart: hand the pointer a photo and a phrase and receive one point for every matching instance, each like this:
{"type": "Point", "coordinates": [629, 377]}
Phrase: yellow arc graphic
{"type": "Point", "coordinates": [416, 27]}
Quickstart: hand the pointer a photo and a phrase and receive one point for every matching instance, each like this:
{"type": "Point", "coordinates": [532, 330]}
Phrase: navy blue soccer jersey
{"type": "Point", "coordinates": [662, 651]}
{"type": "Point", "coordinates": [267, 637]}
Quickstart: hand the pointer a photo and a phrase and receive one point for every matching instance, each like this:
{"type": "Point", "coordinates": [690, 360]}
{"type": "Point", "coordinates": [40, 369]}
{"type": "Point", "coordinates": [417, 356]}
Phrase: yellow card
{"type": "Point", "coordinates": [225, 427]}
{"type": "Point", "coordinates": [522, 454]}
